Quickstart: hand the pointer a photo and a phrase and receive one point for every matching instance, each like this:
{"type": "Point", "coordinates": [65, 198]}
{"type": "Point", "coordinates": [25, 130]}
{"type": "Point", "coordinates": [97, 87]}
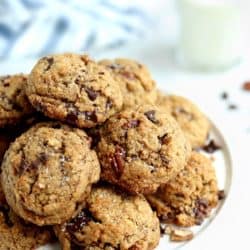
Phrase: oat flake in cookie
{"type": "Point", "coordinates": [14, 105]}
{"type": "Point", "coordinates": [192, 121]}
{"type": "Point", "coordinates": [141, 148]}
{"type": "Point", "coordinates": [134, 80]}
{"type": "Point", "coordinates": [16, 234]}
{"type": "Point", "coordinates": [111, 220]}
{"type": "Point", "coordinates": [189, 198]}
{"type": "Point", "coordinates": [74, 89]}
{"type": "Point", "coordinates": [47, 173]}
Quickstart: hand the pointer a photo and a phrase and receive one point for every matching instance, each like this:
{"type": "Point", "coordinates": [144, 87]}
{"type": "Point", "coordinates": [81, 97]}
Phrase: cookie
{"type": "Point", "coordinates": [16, 234]}
{"type": "Point", "coordinates": [9, 134]}
{"type": "Point", "coordinates": [134, 80]}
{"type": "Point", "coordinates": [192, 121]}
{"type": "Point", "coordinates": [47, 173]}
{"type": "Point", "coordinates": [74, 89]}
{"type": "Point", "coordinates": [111, 220]}
{"type": "Point", "coordinates": [141, 148]}
{"type": "Point", "coordinates": [188, 199]}
{"type": "Point", "coordinates": [14, 105]}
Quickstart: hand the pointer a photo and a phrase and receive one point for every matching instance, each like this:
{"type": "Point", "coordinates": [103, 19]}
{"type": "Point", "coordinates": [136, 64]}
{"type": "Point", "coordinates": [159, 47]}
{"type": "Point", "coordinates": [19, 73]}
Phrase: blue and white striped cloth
{"type": "Point", "coordinates": [31, 28]}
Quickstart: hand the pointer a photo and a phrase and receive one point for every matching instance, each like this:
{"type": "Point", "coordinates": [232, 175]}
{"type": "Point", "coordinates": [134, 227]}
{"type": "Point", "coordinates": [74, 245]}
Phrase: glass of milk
{"type": "Point", "coordinates": [211, 34]}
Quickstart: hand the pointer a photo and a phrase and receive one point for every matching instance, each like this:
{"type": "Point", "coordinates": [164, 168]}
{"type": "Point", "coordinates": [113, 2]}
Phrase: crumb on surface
{"type": "Point", "coordinates": [211, 147]}
{"type": "Point", "coordinates": [178, 235]}
{"type": "Point", "coordinates": [232, 106]}
{"type": "Point", "coordinates": [224, 95]}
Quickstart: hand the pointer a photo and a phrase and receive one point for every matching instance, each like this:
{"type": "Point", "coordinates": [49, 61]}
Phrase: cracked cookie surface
{"type": "Point", "coordinates": [111, 220]}
{"type": "Point", "coordinates": [14, 105]}
{"type": "Point", "coordinates": [134, 80]}
{"type": "Point", "coordinates": [188, 199]}
{"type": "Point", "coordinates": [16, 234]}
{"type": "Point", "coordinates": [192, 121]}
{"type": "Point", "coordinates": [141, 148]}
{"type": "Point", "coordinates": [74, 89]}
{"type": "Point", "coordinates": [48, 171]}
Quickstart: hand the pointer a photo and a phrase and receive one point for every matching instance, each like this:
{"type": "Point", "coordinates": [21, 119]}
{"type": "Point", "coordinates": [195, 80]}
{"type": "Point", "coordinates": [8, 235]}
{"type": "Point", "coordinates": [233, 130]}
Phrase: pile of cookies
{"type": "Point", "coordinates": [93, 152]}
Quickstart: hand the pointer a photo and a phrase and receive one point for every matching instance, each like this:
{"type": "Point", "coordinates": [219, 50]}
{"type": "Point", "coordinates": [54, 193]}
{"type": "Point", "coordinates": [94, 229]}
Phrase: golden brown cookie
{"type": "Point", "coordinates": [192, 121]}
{"type": "Point", "coordinates": [14, 105]}
{"type": "Point", "coordinates": [134, 80]}
{"type": "Point", "coordinates": [188, 199]}
{"type": "Point", "coordinates": [142, 148]}
{"type": "Point", "coordinates": [111, 220]}
{"type": "Point", "coordinates": [47, 173]}
{"type": "Point", "coordinates": [16, 234]}
{"type": "Point", "coordinates": [74, 89]}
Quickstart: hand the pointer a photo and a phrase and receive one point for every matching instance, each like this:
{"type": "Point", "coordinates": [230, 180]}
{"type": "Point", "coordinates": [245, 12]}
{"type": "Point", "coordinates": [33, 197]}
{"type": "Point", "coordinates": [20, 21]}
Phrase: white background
{"type": "Point", "coordinates": [230, 229]}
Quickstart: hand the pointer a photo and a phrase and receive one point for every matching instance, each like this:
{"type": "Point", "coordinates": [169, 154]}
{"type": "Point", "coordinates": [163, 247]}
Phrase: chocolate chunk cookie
{"type": "Point", "coordinates": [141, 148]}
{"type": "Point", "coordinates": [192, 121]}
{"type": "Point", "coordinates": [111, 220]}
{"type": "Point", "coordinates": [14, 105]}
{"type": "Point", "coordinates": [47, 173]}
{"type": "Point", "coordinates": [16, 234]}
{"type": "Point", "coordinates": [188, 199]}
{"type": "Point", "coordinates": [74, 89]}
{"type": "Point", "coordinates": [134, 80]}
